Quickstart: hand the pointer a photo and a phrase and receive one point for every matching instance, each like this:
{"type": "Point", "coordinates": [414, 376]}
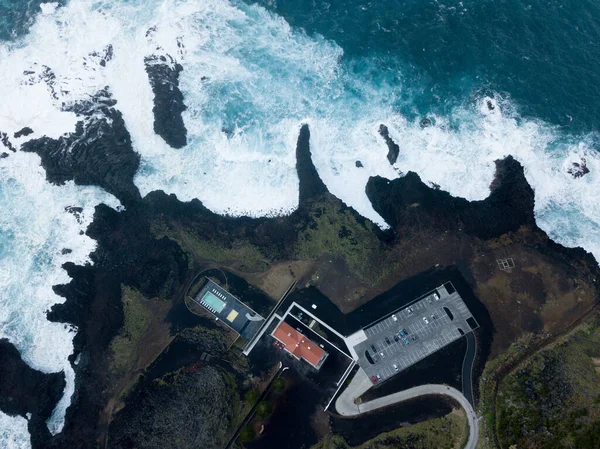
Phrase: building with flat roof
{"type": "Point", "coordinates": [230, 310]}
{"type": "Point", "coordinates": [299, 345]}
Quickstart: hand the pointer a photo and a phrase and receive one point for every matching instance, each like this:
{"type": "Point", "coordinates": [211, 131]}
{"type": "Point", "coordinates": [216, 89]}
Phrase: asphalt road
{"type": "Point", "coordinates": [360, 383]}
{"type": "Point", "coordinates": [467, 368]}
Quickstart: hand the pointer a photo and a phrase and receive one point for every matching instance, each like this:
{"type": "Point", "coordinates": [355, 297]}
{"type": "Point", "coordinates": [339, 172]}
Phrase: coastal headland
{"type": "Point", "coordinates": [133, 325]}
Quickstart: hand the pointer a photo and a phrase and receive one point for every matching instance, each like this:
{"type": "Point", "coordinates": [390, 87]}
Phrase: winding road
{"type": "Point", "coordinates": [346, 406]}
{"type": "Point", "coordinates": [467, 368]}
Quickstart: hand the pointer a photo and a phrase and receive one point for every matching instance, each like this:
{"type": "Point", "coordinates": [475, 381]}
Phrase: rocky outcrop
{"type": "Point", "coordinates": [23, 132]}
{"type": "Point", "coordinates": [510, 204]}
{"type": "Point", "coordinates": [6, 142]}
{"type": "Point", "coordinates": [24, 390]}
{"type": "Point", "coordinates": [163, 73]}
{"type": "Point", "coordinates": [311, 186]}
{"type": "Point", "coordinates": [99, 152]}
{"type": "Point", "coordinates": [579, 169]}
{"type": "Point", "coordinates": [393, 148]}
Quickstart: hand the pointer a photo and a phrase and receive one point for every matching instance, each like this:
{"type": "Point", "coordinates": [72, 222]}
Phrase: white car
{"type": "Point", "coordinates": [395, 367]}
{"type": "Point", "coordinates": [394, 318]}
{"type": "Point", "coordinates": [426, 320]}
{"type": "Point", "coordinates": [436, 296]}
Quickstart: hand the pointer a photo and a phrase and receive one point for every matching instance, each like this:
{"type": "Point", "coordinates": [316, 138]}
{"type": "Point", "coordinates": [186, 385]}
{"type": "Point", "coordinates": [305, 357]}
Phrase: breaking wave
{"type": "Point", "coordinates": [249, 82]}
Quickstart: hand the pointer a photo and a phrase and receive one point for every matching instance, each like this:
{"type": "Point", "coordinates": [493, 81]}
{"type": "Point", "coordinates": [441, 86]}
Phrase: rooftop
{"type": "Point", "coordinates": [299, 345]}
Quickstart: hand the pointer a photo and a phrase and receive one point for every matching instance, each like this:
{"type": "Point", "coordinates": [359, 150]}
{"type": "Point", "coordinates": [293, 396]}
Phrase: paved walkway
{"type": "Point", "coordinates": [360, 384]}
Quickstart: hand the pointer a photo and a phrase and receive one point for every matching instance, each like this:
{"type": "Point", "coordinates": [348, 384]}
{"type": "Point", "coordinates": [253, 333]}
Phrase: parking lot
{"type": "Point", "coordinates": [409, 335]}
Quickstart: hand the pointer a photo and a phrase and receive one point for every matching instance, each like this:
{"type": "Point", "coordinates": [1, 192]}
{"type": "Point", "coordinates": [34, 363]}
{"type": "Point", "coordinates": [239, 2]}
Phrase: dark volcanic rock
{"type": "Point", "coordinates": [99, 152]}
{"type": "Point", "coordinates": [23, 132]}
{"type": "Point", "coordinates": [24, 390]}
{"type": "Point", "coordinates": [425, 123]}
{"type": "Point", "coordinates": [579, 169]}
{"type": "Point", "coordinates": [393, 148]}
{"type": "Point", "coordinates": [76, 211]}
{"type": "Point", "coordinates": [101, 58]}
{"type": "Point", "coordinates": [3, 155]}
{"type": "Point", "coordinates": [131, 252]}
{"type": "Point", "coordinates": [509, 205]}
{"type": "Point", "coordinates": [4, 141]}
{"type": "Point", "coordinates": [311, 185]}
{"type": "Point", "coordinates": [359, 164]}
{"type": "Point", "coordinates": [163, 73]}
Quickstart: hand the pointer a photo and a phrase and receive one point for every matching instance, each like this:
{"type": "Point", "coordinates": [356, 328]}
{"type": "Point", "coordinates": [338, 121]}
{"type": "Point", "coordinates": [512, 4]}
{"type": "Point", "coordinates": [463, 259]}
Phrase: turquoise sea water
{"type": "Point", "coordinates": [253, 72]}
{"type": "Point", "coordinates": [544, 54]}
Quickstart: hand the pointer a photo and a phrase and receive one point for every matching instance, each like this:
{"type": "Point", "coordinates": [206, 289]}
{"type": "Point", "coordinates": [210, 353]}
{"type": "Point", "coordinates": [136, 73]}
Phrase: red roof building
{"type": "Point", "coordinates": [299, 345]}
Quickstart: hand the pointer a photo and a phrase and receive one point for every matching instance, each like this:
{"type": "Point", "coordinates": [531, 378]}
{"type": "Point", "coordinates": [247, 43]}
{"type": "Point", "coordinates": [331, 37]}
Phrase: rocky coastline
{"type": "Point", "coordinates": [27, 392]}
{"type": "Point", "coordinates": [147, 246]}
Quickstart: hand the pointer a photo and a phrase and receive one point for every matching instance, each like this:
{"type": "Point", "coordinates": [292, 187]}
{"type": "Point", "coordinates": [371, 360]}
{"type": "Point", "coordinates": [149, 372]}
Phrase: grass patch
{"type": "Point", "coordinates": [447, 432]}
{"type": "Point", "coordinates": [241, 255]}
{"type": "Point", "coordinates": [551, 400]}
{"type": "Point", "coordinates": [335, 230]}
{"type": "Point", "coordinates": [124, 346]}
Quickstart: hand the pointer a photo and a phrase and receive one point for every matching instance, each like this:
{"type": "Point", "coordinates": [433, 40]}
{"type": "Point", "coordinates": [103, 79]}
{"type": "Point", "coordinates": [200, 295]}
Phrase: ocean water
{"type": "Point", "coordinates": [253, 74]}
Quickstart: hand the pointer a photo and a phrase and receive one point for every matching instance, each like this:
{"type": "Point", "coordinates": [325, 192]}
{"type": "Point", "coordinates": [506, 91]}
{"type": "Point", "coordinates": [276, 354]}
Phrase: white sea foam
{"type": "Point", "coordinates": [13, 432]}
{"type": "Point", "coordinates": [249, 81]}
{"type": "Point", "coordinates": [34, 229]}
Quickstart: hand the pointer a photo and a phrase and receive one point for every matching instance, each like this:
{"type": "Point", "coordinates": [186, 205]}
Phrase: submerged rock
{"type": "Point", "coordinates": [163, 73]}
{"type": "Point", "coordinates": [393, 148]}
{"type": "Point", "coordinates": [425, 123]}
{"type": "Point", "coordinates": [579, 169]}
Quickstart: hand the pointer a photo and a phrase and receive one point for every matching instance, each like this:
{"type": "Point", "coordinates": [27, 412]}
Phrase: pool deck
{"type": "Point", "coordinates": [236, 315]}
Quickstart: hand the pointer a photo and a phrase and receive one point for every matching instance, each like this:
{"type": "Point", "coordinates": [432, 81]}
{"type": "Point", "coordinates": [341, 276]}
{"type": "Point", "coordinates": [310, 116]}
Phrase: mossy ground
{"type": "Point", "coordinates": [239, 254]}
{"type": "Point", "coordinates": [448, 432]}
{"type": "Point", "coordinates": [125, 345]}
{"type": "Point", "coordinates": [335, 230]}
{"type": "Point", "coordinates": [553, 399]}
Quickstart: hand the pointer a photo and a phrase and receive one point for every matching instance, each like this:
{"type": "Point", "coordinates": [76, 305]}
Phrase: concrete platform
{"type": "Point", "coordinates": [412, 333]}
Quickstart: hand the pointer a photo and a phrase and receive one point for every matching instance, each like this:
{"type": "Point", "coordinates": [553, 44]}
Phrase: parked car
{"type": "Point", "coordinates": [415, 337]}
{"type": "Point", "coordinates": [382, 355]}
{"type": "Point", "coordinates": [378, 377]}
{"type": "Point", "coordinates": [396, 338]}
{"type": "Point", "coordinates": [436, 296]}
{"type": "Point", "coordinates": [374, 379]}
{"type": "Point", "coordinates": [374, 348]}
{"type": "Point", "coordinates": [405, 331]}
{"type": "Point", "coordinates": [394, 318]}
{"type": "Point", "coordinates": [387, 340]}
{"type": "Point", "coordinates": [401, 333]}
{"type": "Point", "coordinates": [426, 320]}
{"type": "Point", "coordinates": [406, 341]}
{"type": "Point", "coordinates": [395, 367]}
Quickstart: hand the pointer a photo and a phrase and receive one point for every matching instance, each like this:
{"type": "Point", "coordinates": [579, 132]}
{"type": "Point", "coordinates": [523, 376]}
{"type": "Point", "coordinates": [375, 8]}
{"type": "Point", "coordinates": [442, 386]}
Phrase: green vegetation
{"type": "Point", "coordinates": [252, 396]}
{"type": "Point", "coordinates": [264, 409]}
{"type": "Point", "coordinates": [241, 255]}
{"type": "Point", "coordinates": [247, 434]}
{"type": "Point", "coordinates": [448, 432]}
{"type": "Point", "coordinates": [194, 407]}
{"type": "Point", "coordinates": [337, 232]}
{"type": "Point", "coordinates": [278, 385]}
{"type": "Point", "coordinates": [136, 320]}
{"type": "Point", "coordinates": [552, 400]}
